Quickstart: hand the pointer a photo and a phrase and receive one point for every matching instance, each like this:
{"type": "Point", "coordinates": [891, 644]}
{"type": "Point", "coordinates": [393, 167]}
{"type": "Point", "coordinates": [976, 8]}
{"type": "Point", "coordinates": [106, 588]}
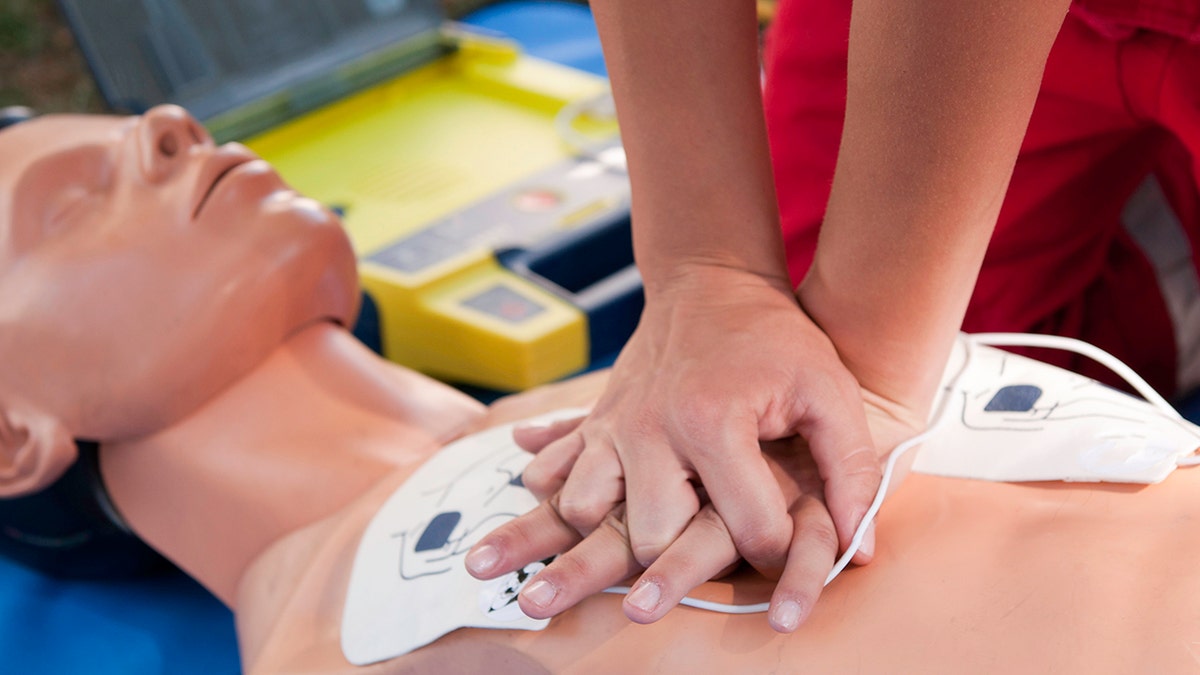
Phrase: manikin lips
{"type": "Point", "coordinates": [217, 180]}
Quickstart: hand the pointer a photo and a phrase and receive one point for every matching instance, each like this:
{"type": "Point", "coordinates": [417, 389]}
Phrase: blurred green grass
{"type": "Point", "coordinates": [19, 29]}
{"type": "Point", "coordinates": [39, 64]}
{"type": "Point", "coordinates": [19, 35]}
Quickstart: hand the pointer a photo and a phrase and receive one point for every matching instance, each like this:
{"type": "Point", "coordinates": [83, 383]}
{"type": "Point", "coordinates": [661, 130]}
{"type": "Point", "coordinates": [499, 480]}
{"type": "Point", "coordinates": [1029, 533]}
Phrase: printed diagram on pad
{"type": "Point", "coordinates": [435, 546]}
{"type": "Point", "coordinates": [1011, 418]}
{"type": "Point", "coordinates": [498, 598]}
{"type": "Point", "coordinates": [411, 553]}
{"type": "Point", "coordinates": [1026, 407]}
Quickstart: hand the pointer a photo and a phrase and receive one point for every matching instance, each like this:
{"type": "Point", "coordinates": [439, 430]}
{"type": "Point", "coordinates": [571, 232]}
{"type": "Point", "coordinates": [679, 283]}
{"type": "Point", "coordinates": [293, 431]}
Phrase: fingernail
{"type": "Point", "coordinates": [533, 425]}
{"type": "Point", "coordinates": [482, 559]}
{"type": "Point", "coordinates": [868, 542]}
{"type": "Point", "coordinates": [786, 616]}
{"type": "Point", "coordinates": [540, 593]}
{"type": "Point", "coordinates": [645, 597]}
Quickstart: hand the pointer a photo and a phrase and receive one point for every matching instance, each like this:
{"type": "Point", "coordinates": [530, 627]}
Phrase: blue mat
{"type": "Point", "coordinates": [168, 623]}
{"type": "Point", "coordinates": [160, 624]}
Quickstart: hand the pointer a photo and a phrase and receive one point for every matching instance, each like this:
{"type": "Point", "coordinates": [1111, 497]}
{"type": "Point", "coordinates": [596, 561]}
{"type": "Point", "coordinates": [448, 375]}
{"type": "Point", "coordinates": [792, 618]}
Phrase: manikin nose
{"type": "Point", "coordinates": [167, 134]}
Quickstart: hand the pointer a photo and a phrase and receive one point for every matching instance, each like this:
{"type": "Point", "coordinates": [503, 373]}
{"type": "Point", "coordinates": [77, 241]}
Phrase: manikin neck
{"type": "Point", "coordinates": [313, 427]}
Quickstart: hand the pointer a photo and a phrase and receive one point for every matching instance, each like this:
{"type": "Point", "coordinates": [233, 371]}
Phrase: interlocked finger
{"type": "Point", "coordinates": [700, 553]}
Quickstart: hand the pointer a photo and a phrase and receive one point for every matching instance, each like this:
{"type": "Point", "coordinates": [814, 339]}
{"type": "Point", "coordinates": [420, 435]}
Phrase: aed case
{"type": "Point", "coordinates": [493, 243]}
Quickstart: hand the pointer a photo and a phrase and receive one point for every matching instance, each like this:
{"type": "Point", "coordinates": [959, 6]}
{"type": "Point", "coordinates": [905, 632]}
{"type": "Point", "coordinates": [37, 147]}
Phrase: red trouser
{"type": "Point", "coordinates": [1111, 111]}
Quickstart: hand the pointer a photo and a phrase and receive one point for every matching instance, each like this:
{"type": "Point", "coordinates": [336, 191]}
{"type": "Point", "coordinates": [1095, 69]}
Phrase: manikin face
{"type": "Point", "coordinates": [143, 269]}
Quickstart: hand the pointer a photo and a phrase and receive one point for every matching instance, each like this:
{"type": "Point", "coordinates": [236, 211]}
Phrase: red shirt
{"type": "Point", "coordinates": [1120, 18]}
{"type": "Point", "coordinates": [1060, 260]}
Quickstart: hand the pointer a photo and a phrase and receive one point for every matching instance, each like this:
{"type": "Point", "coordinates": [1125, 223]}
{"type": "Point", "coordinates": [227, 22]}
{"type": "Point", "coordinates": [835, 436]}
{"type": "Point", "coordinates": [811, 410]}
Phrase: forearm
{"type": "Point", "coordinates": [686, 81]}
{"type": "Point", "coordinates": [939, 96]}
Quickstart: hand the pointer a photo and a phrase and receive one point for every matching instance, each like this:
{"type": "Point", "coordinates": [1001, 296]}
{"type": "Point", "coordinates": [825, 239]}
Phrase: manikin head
{"type": "Point", "coordinates": [142, 270]}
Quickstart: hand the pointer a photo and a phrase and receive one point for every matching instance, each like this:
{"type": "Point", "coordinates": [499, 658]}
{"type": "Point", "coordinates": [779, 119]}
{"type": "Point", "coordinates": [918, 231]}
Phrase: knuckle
{"type": "Point", "coordinates": [710, 524]}
{"type": "Point", "coordinates": [817, 532]}
{"type": "Point", "coordinates": [614, 523]}
{"type": "Point", "coordinates": [571, 568]}
{"type": "Point", "coordinates": [647, 554]}
{"type": "Point", "coordinates": [517, 533]}
{"type": "Point", "coordinates": [647, 550]}
{"type": "Point", "coordinates": [763, 542]}
{"type": "Point", "coordinates": [582, 514]}
{"type": "Point", "coordinates": [537, 438]}
{"type": "Point", "coordinates": [704, 424]}
{"type": "Point", "coordinates": [540, 478]}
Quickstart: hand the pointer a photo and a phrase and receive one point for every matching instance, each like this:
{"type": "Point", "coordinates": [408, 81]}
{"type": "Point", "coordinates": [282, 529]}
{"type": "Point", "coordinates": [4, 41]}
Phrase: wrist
{"type": "Point", "coordinates": [898, 370]}
{"type": "Point", "coordinates": [712, 273]}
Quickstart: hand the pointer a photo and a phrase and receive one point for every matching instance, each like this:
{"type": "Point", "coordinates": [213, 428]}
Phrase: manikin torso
{"type": "Point", "coordinates": [969, 576]}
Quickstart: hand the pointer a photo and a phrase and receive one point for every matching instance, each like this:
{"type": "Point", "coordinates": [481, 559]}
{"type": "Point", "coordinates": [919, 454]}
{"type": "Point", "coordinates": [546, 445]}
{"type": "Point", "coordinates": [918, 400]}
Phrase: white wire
{"type": "Point", "coordinates": [1079, 347]}
{"type": "Point", "coordinates": [855, 542]}
{"type": "Point", "coordinates": [990, 339]}
{"type": "Point", "coordinates": [707, 605]}
{"type": "Point", "coordinates": [869, 517]}
{"type": "Point", "coordinates": [1104, 358]}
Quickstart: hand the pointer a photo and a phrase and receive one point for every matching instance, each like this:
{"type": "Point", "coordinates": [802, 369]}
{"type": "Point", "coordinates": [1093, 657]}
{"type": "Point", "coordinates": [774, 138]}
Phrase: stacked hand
{"type": "Point", "coordinates": [667, 475]}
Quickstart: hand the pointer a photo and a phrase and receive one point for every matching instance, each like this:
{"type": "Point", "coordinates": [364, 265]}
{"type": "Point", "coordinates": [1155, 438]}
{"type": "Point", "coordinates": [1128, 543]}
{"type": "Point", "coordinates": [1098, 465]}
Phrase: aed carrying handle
{"type": "Point", "coordinates": [592, 268]}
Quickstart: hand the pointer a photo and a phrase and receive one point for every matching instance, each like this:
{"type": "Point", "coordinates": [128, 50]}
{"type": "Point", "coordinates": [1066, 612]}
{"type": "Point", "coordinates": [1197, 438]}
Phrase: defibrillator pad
{"type": "Point", "coordinates": [409, 585]}
{"type": "Point", "coordinates": [1011, 418]}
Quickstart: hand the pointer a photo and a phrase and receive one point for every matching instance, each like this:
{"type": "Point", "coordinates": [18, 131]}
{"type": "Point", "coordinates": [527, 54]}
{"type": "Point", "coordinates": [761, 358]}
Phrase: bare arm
{"type": "Point", "coordinates": [686, 80]}
{"type": "Point", "coordinates": [723, 355]}
{"type": "Point", "coordinates": [940, 93]}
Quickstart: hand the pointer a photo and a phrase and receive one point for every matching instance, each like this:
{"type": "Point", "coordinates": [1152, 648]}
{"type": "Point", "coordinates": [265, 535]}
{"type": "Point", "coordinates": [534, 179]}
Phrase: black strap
{"type": "Point", "coordinates": [71, 529]}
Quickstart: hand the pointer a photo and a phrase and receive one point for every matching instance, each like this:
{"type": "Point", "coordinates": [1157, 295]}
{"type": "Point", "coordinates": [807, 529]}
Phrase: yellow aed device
{"type": "Point", "coordinates": [487, 204]}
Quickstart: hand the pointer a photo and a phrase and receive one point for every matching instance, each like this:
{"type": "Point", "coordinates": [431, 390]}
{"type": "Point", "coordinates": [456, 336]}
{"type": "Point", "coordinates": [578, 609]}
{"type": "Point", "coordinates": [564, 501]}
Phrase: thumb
{"type": "Point", "coordinates": [845, 455]}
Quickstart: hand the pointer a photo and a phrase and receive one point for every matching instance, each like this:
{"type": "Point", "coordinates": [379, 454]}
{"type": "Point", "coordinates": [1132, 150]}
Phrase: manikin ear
{"type": "Point", "coordinates": [35, 449]}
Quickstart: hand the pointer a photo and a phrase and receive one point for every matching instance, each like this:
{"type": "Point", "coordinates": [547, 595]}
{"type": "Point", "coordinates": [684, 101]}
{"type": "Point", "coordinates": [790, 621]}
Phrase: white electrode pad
{"type": "Point", "coordinates": [1011, 418]}
{"type": "Point", "coordinates": [408, 585]}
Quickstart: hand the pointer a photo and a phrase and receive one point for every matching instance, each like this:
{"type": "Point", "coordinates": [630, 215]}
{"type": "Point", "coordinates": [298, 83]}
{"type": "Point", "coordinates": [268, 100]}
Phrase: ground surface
{"type": "Point", "coordinates": [39, 64]}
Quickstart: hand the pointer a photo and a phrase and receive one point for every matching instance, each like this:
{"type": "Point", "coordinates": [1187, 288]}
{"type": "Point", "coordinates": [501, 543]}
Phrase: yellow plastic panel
{"type": "Point", "coordinates": [438, 332]}
{"type": "Point", "coordinates": [423, 146]}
